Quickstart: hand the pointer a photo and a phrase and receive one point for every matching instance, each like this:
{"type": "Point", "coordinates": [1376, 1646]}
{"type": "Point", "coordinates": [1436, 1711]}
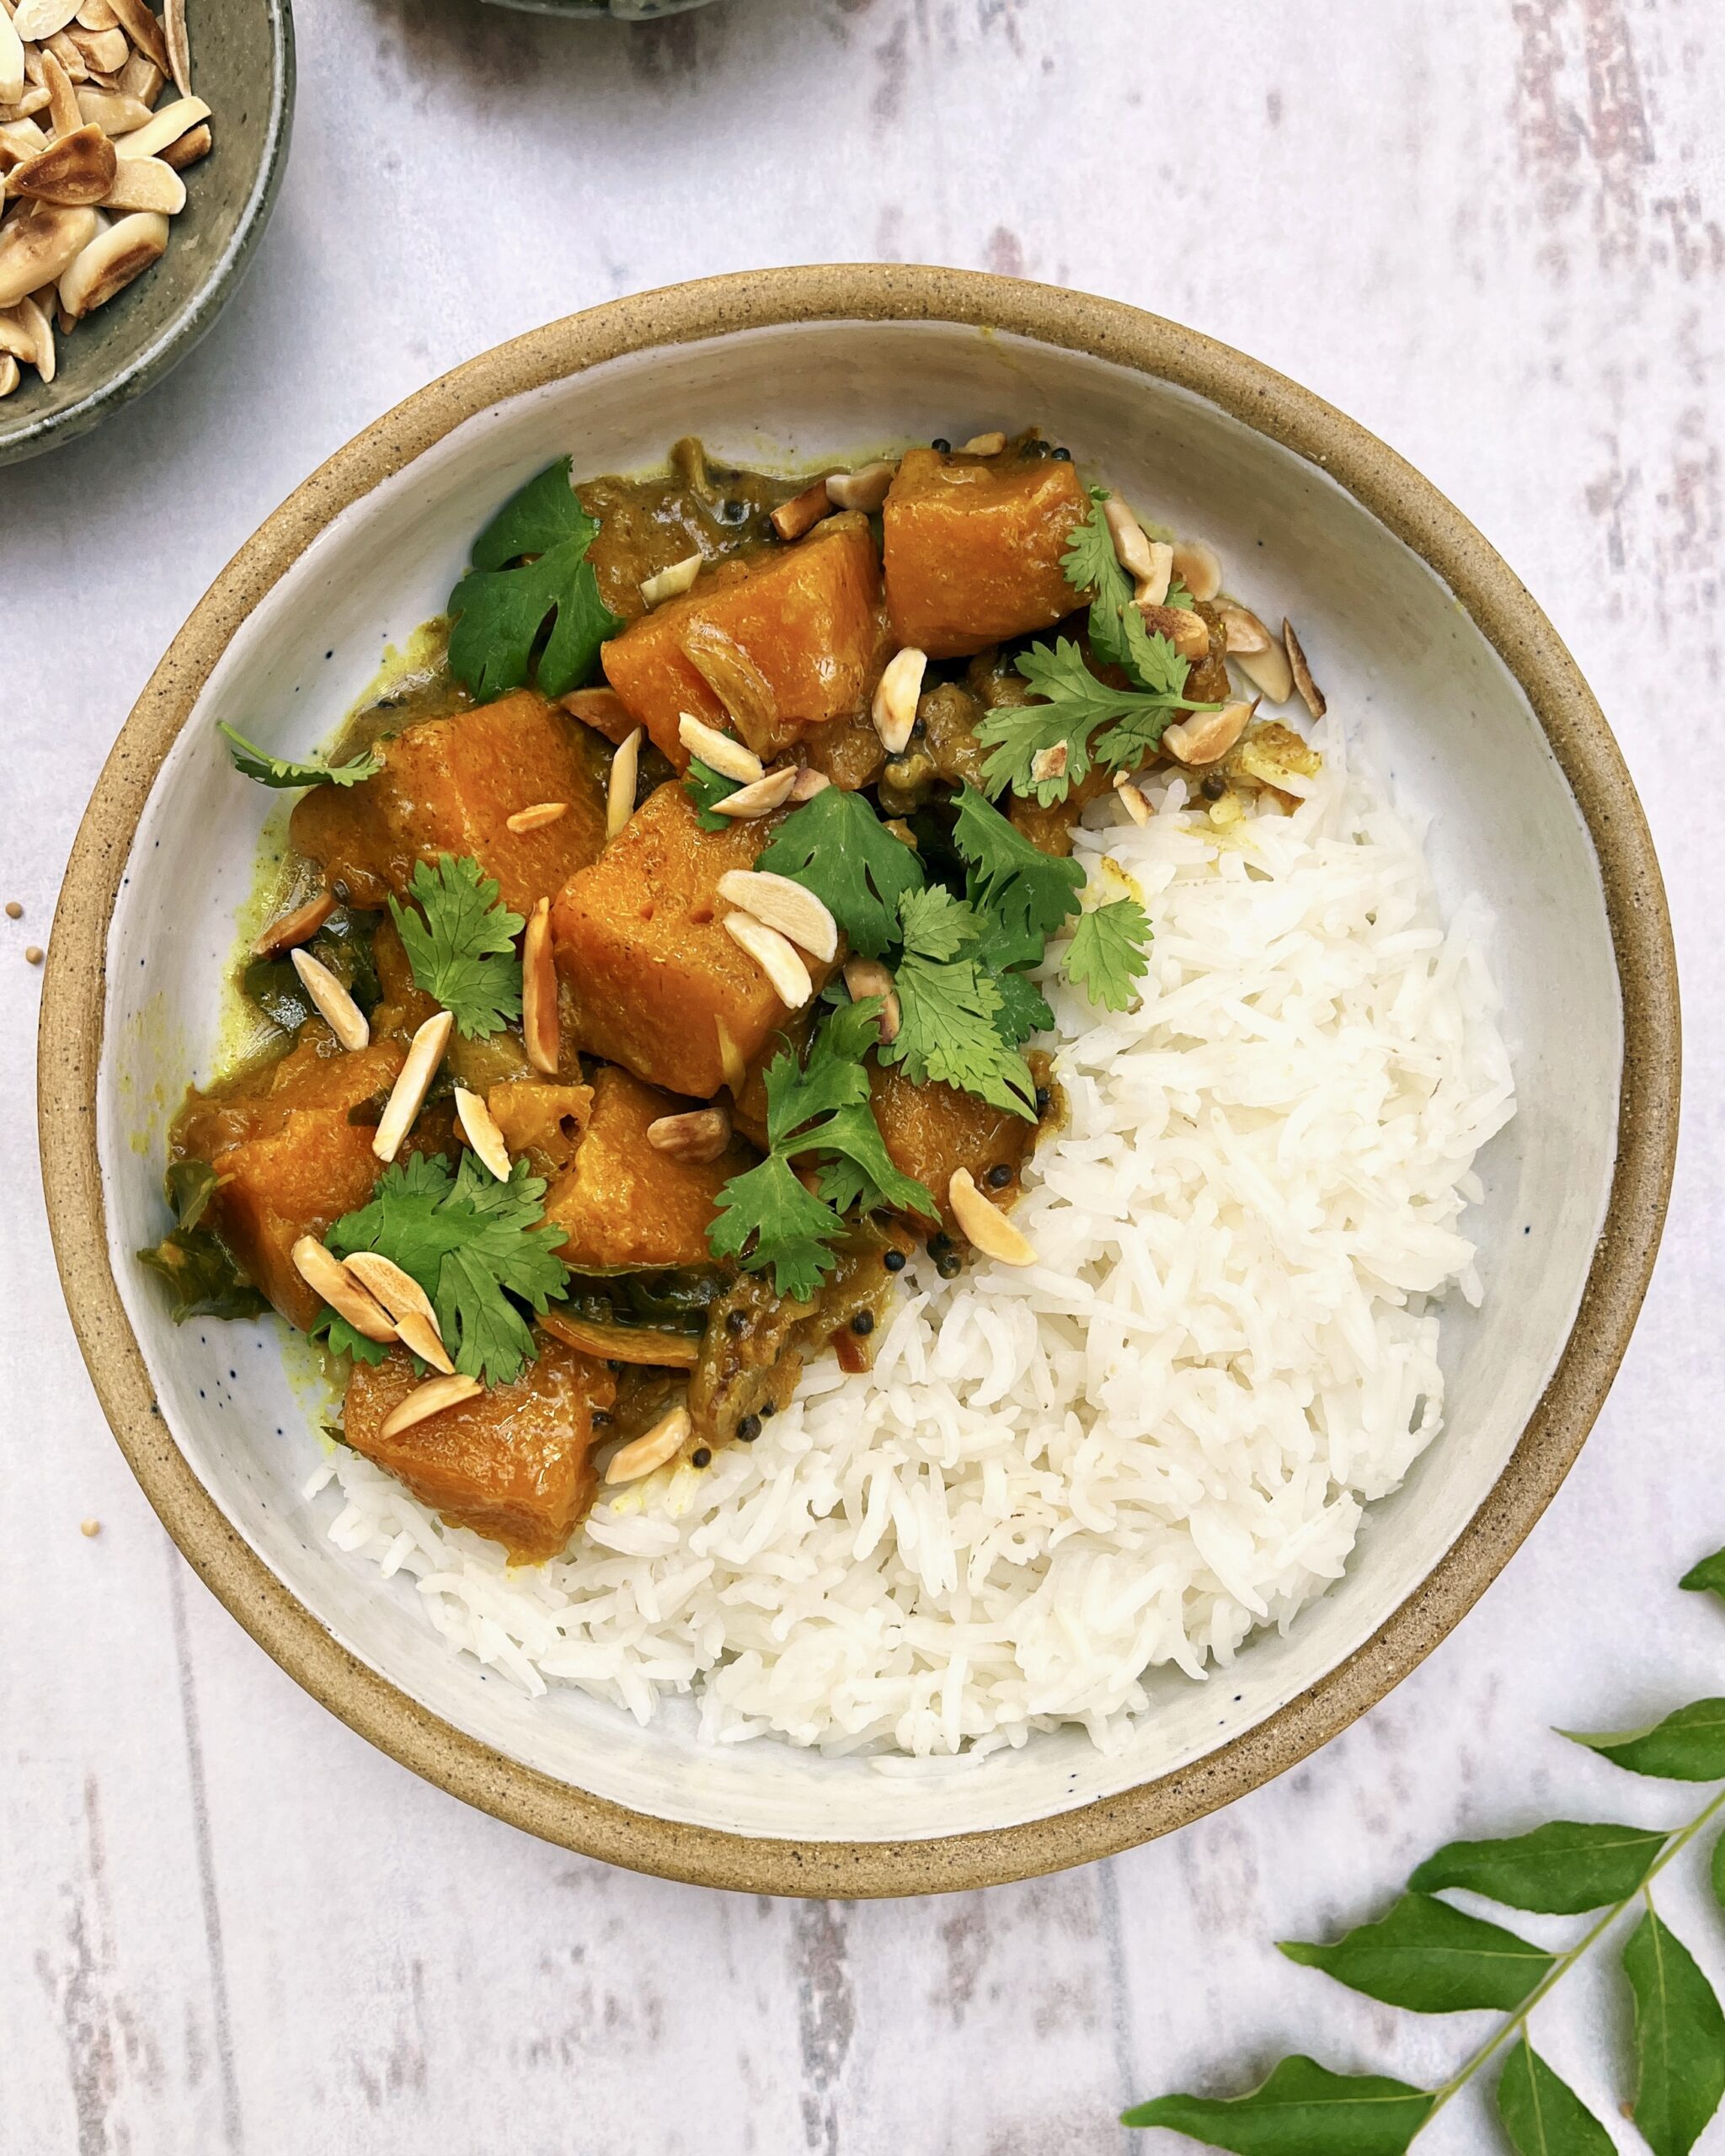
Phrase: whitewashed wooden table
{"type": "Point", "coordinates": [1491, 231]}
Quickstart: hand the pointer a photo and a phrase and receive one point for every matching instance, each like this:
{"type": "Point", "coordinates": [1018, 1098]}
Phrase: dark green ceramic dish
{"type": "Point", "coordinates": [242, 62]}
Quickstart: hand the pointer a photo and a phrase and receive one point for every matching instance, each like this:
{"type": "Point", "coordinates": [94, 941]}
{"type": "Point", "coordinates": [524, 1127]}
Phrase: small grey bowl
{"type": "Point", "coordinates": [243, 63]}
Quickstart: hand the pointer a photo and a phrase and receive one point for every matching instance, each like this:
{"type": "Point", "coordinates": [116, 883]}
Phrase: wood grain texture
{"type": "Point", "coordinates": [1493, 232]}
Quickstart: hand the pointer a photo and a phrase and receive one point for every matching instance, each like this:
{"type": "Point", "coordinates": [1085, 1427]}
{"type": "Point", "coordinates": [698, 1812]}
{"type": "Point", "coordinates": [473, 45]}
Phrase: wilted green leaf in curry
{"type": "Point", "coordinates": [1426, 1955]}
{"type": "Point", "coordinates": [203, 1281]}
{"type": "Point", "coordinates": [190, 1186]}
{"type": "Point", "coordinates": [344, 944]}
{"type": "Point", "coordinates": [1708, 1577]}
{"type": "Point", "coordinates": [1679, 2039]}
{"type": "Point", "coordinates": [530, 567]}
{"type": "Point", "coordinates": [1542, 2115]}
{"type": "Point", "coordinates": [254, 762]}
{"type": "Point", "coordinates": [1689, 1746]}
{"type": "Point", "coordinates": [1303, 2110]}
{"type": "Point", "coordinates": [1562, 1868]}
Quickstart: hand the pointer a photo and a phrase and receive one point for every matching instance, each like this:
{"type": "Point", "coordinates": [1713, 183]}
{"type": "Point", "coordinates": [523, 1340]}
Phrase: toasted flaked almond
{"type": "Point", "coordinates": [802, 512]}
{"type": "Point", "coordinates": [64, 115]}
{"type": "Point", "coordinates": [73, 65]}
{"type": "Point", "coordinates": [96, 15]}
{"type": "Point", "coordinates": [15, 339]}
{"type": "Point", "coordinates": [325, 1275]}
{"type": "Point", "coordinates": [1184, 627]}
{"type": "Point", "coordinates": [20, 139]}
{"type": "Point", "coordinates": [1243, 628]}
{"type": "Point", "coordinates": [194, 144]}
{"type": "Point", "coordinates": [478, 1126]}
{"type": "Point", "coordinates": [542, 1027]}
{"type": "Point", "coordinates": [1131, 540]}
{"type": "Point", "coordinates": [293, 928]}
{"type": "Point", "coordinates": [1198, 566]}
{"type": "Point", "coordinates": [620, 787]}
{"type": "Point", "coordinates": [1206, 735]}
{"type": "Point", "coordinates": [720, 752]}
{"type": "Point", "coordinates": [1152, 588]}
{"type": "Point", "coordinates": [699, 1136]}
{"type": "Point", "coordinates": [111, 110]}
{"type": "Point", "coordinates": [29, 313]}
{"type": "Point", "coordinates": [1132, 798]}
{"type": "Point", "coordinates": [36, 21]}
{"type": "Point", "coordinates": [407, 1096]}
{"type": "Point", "coordinates": [865, 488]}
{"type": "Point", "coordinates": [1267, 671]}
{"type": "Point", "coordinates": [105, 51]}
{"type": "Point", "coordinates": [808, 784]}
{"type": "Point", "coordinates": [138, 20]}
{"type": "Point", "coordinates": [145, 183]}
{"type": "Point", "coordinates": [409, 1305]}
{"type": "Point", "coordinates": [1309, 689]}
{"type": "Point", "coordinates": [792, 908]}
{"type": "Point", "coordinates": [12, 75]}
{"type": "Point", "coordinates": [111, 261]}
{"type": "Point", "coordinates": [1050, 763]}
{"type": "Point", "coordinates": [143, 79]}
{"type": "Point", "coordinates": [671, 583]}
{"type": "Point", "coordinates": [422, 1337]}
{"type": "Point", "coordinates": [894, 708]}
{"type": "Point", "coordinates": [179, 50]}
{"type": "Point", "coordinates": [776, 957]}
{"type": "Point", "coordinates": [336, 1007]}
{"type": "Point", "coordinates": [987, 445]}
{"type": "Point", "coordinates": [535, 818]}
{"type": "Point", "coordinates": [652, 1448]}
{"type": "Point", "coordinates": [35, 100]}
{"type": "Point", "coordinates": [152, 138]}
{"type": "Point", "coordinates": [74, 168]}
{"type": "Point", "coordinates": [730, 1060]}
{"type": "Point", "coordinates": [985, 1225]}
{"type": "Point", "coordinates": [760, 797]}
{"type": "Point", "coordinates": [10, 375]}
{"type": "Point", "coordinates": [602, 709]}
{"type": "Point", "coordinates": [867, 978]}
{"type": "Point", "coordinates": [427, 1399]}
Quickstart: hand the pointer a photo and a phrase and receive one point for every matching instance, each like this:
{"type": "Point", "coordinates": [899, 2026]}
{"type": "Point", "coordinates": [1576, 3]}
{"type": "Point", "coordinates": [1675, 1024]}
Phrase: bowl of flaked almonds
{"type": "Point", "coordinates": [140, 152]}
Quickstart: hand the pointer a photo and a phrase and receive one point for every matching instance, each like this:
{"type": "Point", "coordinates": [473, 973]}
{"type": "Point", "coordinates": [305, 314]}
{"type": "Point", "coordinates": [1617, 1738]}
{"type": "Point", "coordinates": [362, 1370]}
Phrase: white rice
{"type": "Point", "coordinates": [1134, 1453]}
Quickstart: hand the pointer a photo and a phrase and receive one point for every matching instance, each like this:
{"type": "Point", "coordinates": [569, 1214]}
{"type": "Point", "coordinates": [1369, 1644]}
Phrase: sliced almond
{"type": "Point", "coordinates": [651, 1450]}
{"type": "Point", "coordinates": [776, 957]}
{"type": "Point", "coordinates": [10, 375]}
{"type": "Point", "coordinates": [894, 708]}
{"type": "Point", "coordinates": [407, 1096]}
{"type": "Point", "coordinates": [12, 74]}
{"type": "Point", "coordinates": [335, 1006]}
{"type": "Point", "coordinates": [478, 1126]}
{"type": "Point", "coordinates": [1244, 631]}
{"type": "Point", "coordinates": [1308, 690]}
{"type": "Point", "coordinates": [865, 488]}
{"type": "Point", "coordinates": [154, 135]}
{"type": "Point", "coordinates": [111, 261]}
{"type": "Point", "coordinates": [784, 904]}
{"type": "Point", "coordinates": [989, 444]}
{"type": "Point", "coordinates": [20, 139]}
{"type": "Point", "coordinates": [620, 787]}
{"type": "Point", "coordinates": [720, 752]}
{"type": "Point", "coordinates": [36, 21]}
{"type": "Point", "coordinates": [96, 15]}
{"type": "Point", "coordinates": [145, 183]}
{"type": "Point", "coordinates": [1131, 540]}
{"type": "Point", "coordinates": [409, 1305]}
{"type": "Point", "coordinates": [536, 818]}
{"type": "Point", "coordinates": [1198, 566]}
{"type": "Point", "coordinates": [36, 321]}
{"type": "Point", "coordinates": [1206, 735]}
{"type": "Point", "coordinates": [74, 168]}
{"type": "Point", "coordinates": [105, 51]}
{"type": "Point", "coordinates": [602, 709]}
{"type": "Point", "coordinates": [138, 21]}
{"type": "Point", "coordinates": [1184, 627]}
{"type": "Point", "coordinates": [1050, 763]}
{"type": "Point", "coordinates": [143, 79]}
{"type": "Point", "coordinates": [15, 339]}
{"type": "Point", "coordinates": [179, 50]}
{"type": "Point", "coordinates": [64, 112]}
{"type": "Point", "coordinates": [985, 1225]}
{"type": "Point", "coordinates": [698, 1137]}
{"type": "Point", "coordinates": [34, 100]}
{"type": "Point", "coordinates": [325, 1275]}
{"type": "Point", "coordinates": [194, 144]}
{"type": "Point", "coordinates": [867, 978]}
{"type": "Point", "coordinates": [802, 512]}
{"type": "Point", "coordinates": [72, 64]}
{"type": "Point", "coordinates": [423, 1337]}
{"type": "Point", "coordinates": [542, 1027]}
{"type": "Point", "coordinates": [808, 784]}
{"type": "Point", "coordinates": [730, 1060]}
{"type": "Point", "coordinates": [298, 926]}
{"type": "Point", "coordinates": [760, 797]}
{"type": "Point", "coordinates": [1132, 798]}
{"type": "Point", "coordinates": [113, 112]}
{"type": "Point", "coordinates": [1153, 586]}
{"type": "Point", "coordinates": [429, 1399]}
{"type": "Point", "coordinates": [1267, 671]}
{"type": "Point", "coordinates": [671, 583]}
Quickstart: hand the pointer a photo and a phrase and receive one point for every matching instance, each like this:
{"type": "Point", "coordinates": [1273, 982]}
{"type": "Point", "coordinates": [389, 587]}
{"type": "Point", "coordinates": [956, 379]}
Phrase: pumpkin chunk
{"type": "Point", "coordinates": [931, 1129]}
{"type": "Point", "coordinates": [973, 548]}
{"type": "Point", "coordinates": [515, 1464]}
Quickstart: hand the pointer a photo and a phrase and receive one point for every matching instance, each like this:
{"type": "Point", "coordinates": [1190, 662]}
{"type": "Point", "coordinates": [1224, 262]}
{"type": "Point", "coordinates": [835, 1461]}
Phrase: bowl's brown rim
{"type": "Point", "coordinates": [71, 1048]}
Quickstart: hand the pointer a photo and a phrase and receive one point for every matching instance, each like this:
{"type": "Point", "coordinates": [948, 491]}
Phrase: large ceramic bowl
{"type": "Point", "coordinates": [243, 70]}
{"type": "Point", "coordinates": [1431, 647]}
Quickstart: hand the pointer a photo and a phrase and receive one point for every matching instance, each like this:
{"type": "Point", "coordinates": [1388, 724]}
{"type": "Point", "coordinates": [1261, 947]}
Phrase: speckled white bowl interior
{"type": "Point", "coordinates": [1402, 664]}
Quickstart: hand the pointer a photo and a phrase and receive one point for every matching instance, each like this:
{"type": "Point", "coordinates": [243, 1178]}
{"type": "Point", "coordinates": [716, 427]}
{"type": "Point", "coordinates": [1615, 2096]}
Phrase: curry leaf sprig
{"type": "Point", "coordinates": [531, 568]}
{"type": "Point", "coordinates": [1431, 1957]}
{"type": "Point", "coordinates": [254, 762]}
{"type": "Point", "coordinates": [460, 941]}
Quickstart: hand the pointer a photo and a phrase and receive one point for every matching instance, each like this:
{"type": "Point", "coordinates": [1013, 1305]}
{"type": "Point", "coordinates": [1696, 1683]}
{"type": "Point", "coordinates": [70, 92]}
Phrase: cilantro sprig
{"type": "Point", "coordinates": [254, 762]}
{"type": "Point", "coordinates": [1106, 953]}
{"type": "Point", "coordinates": [704, 785]}
{"type": "Point", "coordinates": [530, 566]}
{"type": "Point", "coordinates": [838, 848]}
{"type": "Point", "coordinates": [953, 1026]}
{"type": "Point", "coordinates": [460, 943]}
{"type": "Point", "coordinates": [480, 1248]}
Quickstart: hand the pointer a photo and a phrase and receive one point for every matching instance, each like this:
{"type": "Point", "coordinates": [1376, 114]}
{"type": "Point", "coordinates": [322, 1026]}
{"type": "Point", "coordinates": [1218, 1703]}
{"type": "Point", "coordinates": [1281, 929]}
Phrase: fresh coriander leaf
{"type": "Point", "coordinates": [949, 1030]}
{"type": "Point", "coordinates": [1680, 2040]}
{"type": "Point", "coordinates": [474, 1244]}
{"type": "Point", "coordinates": [498, 611]}
{"type": "Point", "coordinates": [935, 925]}
{"type": "Point", "coordinates": [190, 1186]}
{"type": "Point", "coordinates": [281, 770]}
{"type": "Point", "coordinates": [1541, 2114]}
{"type": "Point", "coordinates": [767, 1218]}
{"type": "Point", "coordinates": [862, 1172]}
{"type": "Point", "coordinates": [1303, 2110]}
{"type": "Point", "coordinates": [797, 1093]}
{"type": "Point", "coordinates": [1562, 1868]}
{"type": "Point", "coordinates": [1025, 894]}
{"type": "Point", "coordinates": [838, 848]}
{"type": "Point", "coordinates": [1106, 955]}
{"type": "Point", "coordinates": [461, 944]}
{"type": "Point", "coordinates": [1075, 705]}
{"type": "Point", "coordinates": [1689, 1746]}
{"type": "Point", "coordinates": [1426, 1955]}
{"type": "Point", "coordinates": [1708, 1577]}
{"type": "Point", "coordinates": [704, 785]}
{"type": "Point", "coordinates": [1023, 1009]}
